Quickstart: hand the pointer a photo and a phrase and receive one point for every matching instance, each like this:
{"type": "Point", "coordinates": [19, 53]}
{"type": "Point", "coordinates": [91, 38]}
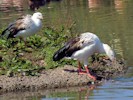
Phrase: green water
{"type": "Point", "coordinates": [111, 20]}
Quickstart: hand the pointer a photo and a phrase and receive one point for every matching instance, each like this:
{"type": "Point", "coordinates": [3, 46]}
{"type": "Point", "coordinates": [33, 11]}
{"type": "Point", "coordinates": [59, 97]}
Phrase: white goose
{"type": "Point", "coordinates": [24, 27]}
{"type": "Point", "coordinates": [81, 48]}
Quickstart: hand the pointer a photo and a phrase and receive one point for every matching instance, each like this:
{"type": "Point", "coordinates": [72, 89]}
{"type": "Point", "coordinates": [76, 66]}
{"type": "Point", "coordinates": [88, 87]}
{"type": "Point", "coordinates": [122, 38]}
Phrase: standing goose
{"type": "Point", "coordinates": [24, 27]}
{"type": "Point", "coordinates": [81, 48]}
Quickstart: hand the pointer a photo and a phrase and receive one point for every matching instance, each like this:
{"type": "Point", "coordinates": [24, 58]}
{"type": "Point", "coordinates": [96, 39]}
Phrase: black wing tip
{"type": "Point", "coordinates": [54, 57]}
{"type": "Point", "coordinates": [61, 53]}
{"type": "Point", "coordinates": [57, 56]}
{"type": "Point", "coordinates": [3, 32]}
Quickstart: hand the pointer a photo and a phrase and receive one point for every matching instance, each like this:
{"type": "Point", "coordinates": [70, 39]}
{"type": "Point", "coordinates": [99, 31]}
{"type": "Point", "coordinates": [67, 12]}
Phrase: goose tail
{"type": "Point", "coordinates": [8, 30]}
{"type": "Point", "coordinates": [61, 53]}
{"type": "Point", "coordinates": [3, 32]}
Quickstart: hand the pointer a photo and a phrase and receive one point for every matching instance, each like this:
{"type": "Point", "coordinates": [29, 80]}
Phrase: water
{"type": "Point", "coordinates": [111, 20]}
{"type": "Point", "coordinates": [117, 89]}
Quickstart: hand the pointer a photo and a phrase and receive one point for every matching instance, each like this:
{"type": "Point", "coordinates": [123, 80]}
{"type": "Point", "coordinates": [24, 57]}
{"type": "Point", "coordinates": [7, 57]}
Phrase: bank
{"type": "Point", "coordinates": [65, 76]}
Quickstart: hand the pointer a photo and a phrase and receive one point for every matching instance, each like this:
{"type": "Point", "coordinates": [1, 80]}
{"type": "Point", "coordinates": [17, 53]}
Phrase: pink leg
{"type": "Point", "coordinates": [88, 73]}
{"type": "Point", "coordinates": [80, 69]}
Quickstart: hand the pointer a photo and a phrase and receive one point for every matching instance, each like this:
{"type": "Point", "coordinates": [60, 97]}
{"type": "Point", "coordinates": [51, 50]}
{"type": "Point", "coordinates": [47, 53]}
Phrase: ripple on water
{"type": "Point", "coordinates": [120, 89]}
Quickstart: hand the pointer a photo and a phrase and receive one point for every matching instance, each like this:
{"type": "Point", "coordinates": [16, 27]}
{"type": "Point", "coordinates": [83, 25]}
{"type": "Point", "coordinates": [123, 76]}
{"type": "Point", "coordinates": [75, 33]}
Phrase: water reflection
{"type": "Point", "coordinates": [118, 89]}
{"type": "Point", "coordinates": [70, 93]}
{"type": "Point", "coordinates": [36, 4]}
{"type": "Point", "coordinates": [118, 4]}
{"type": "Point", "coordinates": [20, 5]}
{"type": "Point", "coordinates": [8, 5]}
{"type": "Point", "coordinates": [88, 92]}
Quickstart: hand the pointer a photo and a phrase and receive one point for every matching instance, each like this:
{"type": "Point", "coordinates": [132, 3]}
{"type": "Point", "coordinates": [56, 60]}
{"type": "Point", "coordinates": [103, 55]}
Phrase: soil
{"type": "Point", "coordinates": [66, 76]}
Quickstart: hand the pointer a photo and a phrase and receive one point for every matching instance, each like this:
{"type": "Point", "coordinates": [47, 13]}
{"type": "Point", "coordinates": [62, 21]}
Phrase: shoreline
{"type": "Point", "coordinates": [59, 77]}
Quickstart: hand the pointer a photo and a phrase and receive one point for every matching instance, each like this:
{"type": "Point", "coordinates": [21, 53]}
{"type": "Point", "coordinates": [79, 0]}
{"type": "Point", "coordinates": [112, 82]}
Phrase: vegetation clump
{"type": "Point", "coordinates": [36, 55]}
{"type": "Point", "coordinates": [18, 58]}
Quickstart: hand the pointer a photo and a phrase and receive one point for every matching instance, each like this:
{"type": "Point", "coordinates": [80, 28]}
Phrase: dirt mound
{"type": "Point", "coordinates": [61, 77]}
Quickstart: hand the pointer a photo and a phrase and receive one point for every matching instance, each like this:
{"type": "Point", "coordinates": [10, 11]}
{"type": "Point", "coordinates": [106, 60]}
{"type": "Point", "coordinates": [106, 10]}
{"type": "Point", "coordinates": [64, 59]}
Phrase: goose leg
{"type": "Point", "coordinates": [80, 69]}
{"type": "Point", "coordinates": [88, 73]}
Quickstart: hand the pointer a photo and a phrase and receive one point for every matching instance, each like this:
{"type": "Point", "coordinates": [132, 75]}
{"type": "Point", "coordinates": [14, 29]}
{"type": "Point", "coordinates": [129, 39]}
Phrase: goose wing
{"type": "Point", "coordinates": [18, 25]}
{"type": "Point", "coordinates": [71, 46]}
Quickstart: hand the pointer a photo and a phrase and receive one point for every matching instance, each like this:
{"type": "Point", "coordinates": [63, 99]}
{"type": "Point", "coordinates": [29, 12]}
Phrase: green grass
{"type": "Point", "coordinates": [18, 58]}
